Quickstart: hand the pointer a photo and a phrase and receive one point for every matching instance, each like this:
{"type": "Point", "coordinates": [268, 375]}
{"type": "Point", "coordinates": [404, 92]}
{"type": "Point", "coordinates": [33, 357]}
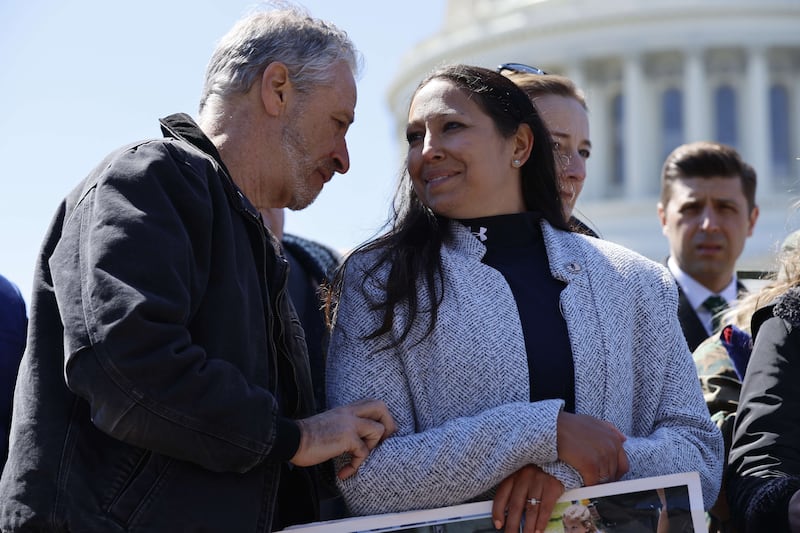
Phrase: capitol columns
{"type": "Point", "coordinates": [755, 115]}
{"type": "Point", "coordinates": [696, 110]}
{"type": "Point", "coordinates": [637, 176]}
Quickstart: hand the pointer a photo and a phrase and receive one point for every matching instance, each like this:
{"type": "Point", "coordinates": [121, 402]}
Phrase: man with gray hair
{"type": "Point", "coordinates": [166, 384]}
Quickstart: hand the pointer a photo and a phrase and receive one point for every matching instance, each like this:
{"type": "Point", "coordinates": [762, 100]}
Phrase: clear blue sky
{"type": "Point", "coordinates": [78, 79]}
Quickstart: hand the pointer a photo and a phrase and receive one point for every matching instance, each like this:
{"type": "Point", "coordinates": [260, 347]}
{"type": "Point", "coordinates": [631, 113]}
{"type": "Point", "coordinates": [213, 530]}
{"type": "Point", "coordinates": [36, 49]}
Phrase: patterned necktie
{"type": "Point", "coordinates": [716, 305]}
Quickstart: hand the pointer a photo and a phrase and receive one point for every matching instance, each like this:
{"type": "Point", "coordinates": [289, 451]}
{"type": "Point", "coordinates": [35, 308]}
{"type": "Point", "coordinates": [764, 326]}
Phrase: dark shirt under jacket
{"type": "Point", "coordinates": [515, 248]}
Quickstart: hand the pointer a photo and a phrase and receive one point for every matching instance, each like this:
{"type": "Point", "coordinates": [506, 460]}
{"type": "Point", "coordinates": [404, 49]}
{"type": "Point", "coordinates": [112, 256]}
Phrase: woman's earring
{"type": "Point", "coordinates": [516, 162]}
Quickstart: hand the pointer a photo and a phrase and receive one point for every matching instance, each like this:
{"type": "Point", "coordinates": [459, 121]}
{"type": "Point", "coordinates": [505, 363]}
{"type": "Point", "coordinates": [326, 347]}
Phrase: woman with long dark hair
{"type": "Point", "coordinates": [518, 358]}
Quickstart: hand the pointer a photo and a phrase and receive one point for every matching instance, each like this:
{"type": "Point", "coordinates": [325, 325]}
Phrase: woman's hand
{"type": "Point", "coordinates": [531, 491]}
{"type": "Point", "coordinates": [592, 447]}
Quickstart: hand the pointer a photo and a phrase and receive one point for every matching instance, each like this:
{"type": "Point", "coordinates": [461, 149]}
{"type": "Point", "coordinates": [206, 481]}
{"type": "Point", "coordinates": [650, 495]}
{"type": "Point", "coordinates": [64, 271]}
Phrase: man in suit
{"type": "Point", "coordinates": [707, 211]}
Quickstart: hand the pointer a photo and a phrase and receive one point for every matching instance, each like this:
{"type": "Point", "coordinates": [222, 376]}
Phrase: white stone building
{"type": "Point", "coordinates": [656, 73]}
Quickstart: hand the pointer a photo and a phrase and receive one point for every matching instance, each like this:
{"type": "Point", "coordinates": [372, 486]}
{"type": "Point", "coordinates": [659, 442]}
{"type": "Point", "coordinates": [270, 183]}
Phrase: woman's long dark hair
{"type": "Point", "coordinates": [412, 245]}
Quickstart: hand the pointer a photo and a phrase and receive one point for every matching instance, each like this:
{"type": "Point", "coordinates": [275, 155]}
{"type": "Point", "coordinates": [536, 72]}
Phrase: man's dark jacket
{"type": "Point", "coordinates": [165, 360]}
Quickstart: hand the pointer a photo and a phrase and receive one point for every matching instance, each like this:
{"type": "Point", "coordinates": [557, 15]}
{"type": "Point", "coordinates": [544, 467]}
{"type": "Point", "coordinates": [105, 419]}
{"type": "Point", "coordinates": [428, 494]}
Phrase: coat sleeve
{"type": "Point", "coordinates": [671, 430]}
{"type": "Point", "coordinates": [129, 274]}
{"type": "Point", "coordinates": [458, 460]}
{"type": "Point", "coordinates": [764, 470]}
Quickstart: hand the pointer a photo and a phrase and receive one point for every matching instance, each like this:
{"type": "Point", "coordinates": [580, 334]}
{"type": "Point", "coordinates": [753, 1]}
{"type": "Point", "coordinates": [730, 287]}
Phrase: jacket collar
{"type": "Point", "coordinates": [465, 241]}
{"type": "Point", "coordinates": [787, 306]}
{"type": "Point", "coordinates": [182, 127]}
{"type": "Point", "coordinates": [564, 251]}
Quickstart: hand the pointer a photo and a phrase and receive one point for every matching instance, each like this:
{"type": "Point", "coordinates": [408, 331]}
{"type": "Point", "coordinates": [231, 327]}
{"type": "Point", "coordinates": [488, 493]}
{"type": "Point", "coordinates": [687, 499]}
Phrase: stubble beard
{"type": "Point", "coordinates": [299, 169]}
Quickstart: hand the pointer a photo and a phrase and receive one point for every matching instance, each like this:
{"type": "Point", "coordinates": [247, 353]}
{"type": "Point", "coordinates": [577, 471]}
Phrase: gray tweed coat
{"type": "Point", "coordinates": [461, 396]}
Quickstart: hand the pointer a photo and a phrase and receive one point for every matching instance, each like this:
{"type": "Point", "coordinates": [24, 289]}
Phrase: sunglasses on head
{"type": "Point", "coordinates": [520, 67]}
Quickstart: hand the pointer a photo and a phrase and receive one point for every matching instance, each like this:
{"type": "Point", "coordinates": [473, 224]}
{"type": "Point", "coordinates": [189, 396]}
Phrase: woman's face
{"type": "Point", "coordinates": [568, 124]}
{"type": "Point", "coordinates": [459, 164]}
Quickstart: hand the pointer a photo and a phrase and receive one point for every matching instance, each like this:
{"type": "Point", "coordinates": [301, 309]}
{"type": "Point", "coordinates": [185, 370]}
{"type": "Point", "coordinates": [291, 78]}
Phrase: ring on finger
{"type": "Point", "coordinates": [534, 501]}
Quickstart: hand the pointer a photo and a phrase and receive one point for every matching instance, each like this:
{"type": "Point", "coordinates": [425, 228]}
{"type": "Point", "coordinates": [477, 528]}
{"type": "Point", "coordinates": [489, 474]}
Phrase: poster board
{"type": "Point", "coordinates": [621, 507]}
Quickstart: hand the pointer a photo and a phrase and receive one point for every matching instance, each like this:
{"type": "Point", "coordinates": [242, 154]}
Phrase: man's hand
{"type": "Point", "coordinates": [592, 447]}
{"type": "Point", "coordinates": [354, 429]}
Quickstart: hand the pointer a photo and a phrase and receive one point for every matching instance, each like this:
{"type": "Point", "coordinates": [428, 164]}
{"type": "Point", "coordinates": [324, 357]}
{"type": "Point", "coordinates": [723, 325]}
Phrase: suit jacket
{"type": "Point", "coordinates": [693, 328]}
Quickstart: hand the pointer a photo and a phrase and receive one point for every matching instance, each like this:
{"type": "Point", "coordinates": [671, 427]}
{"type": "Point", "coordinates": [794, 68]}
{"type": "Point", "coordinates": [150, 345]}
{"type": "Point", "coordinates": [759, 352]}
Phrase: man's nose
{"type": "Point", "coordinates": [710, 220]}
{"type": "Point", "coordinates": [341, 158]}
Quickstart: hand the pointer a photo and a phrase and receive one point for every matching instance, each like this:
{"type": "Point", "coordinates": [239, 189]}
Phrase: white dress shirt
{"type": "Point", "coordinates": [697, 293]}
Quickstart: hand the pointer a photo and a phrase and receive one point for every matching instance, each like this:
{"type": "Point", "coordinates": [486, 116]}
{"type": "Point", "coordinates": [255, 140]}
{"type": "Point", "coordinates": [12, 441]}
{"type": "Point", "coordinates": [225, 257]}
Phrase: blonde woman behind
{"type": "Point", "coordinates": [563, 109]}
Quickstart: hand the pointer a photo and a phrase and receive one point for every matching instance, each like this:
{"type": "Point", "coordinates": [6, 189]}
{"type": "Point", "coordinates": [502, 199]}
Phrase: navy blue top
{"type": "Point", "coordinates": [515, 248]}
{"type": "Point", "coordinates": [13, 327]}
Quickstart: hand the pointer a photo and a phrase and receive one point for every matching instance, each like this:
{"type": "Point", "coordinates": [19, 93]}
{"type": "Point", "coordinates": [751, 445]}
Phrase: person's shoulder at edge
{"type": "Point", "coordinates": [10, 293]}
{"type": "Point", "coordinates": [320, 259]}
{"type": "Point", "coordinates": [361, 270]}
{"type": "Point", "coordinates": [135, 157]}
{"type": "Point", "coordinates": [13, 320]}
{"type": "Point", "coordinates": [786, 307]}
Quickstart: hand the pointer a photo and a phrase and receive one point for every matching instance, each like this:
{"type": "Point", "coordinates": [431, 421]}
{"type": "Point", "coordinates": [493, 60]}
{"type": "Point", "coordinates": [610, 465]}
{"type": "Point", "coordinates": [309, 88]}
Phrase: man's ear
{"type": "Point", "coordinates": [275, 88]}
{"type": "Point", "coordinates": [752, 221]}
{"type": "Point", "coordinates": [662, 216]}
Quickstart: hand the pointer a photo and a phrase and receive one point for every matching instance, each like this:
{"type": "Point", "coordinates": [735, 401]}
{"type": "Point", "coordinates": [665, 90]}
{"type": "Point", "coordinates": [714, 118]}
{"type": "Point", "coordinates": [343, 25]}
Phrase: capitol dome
{"type": "Point", "coordinates": [656, 73]}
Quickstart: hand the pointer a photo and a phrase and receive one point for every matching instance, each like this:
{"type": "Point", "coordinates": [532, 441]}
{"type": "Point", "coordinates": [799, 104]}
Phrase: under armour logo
{"type": "Point", "coordinates": [480, 234]}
